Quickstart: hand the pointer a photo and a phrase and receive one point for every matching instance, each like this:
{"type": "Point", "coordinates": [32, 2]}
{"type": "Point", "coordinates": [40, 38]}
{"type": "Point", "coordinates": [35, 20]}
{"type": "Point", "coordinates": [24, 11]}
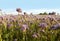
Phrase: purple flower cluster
{"type": "Point", "coordinates": [54, 27]}
{"type": "Point", "coordinates": [43, 25]}
{"type": "Point", "coordinates": [24, 27]}
{"type": "Point", "coordinates": [9, 25]}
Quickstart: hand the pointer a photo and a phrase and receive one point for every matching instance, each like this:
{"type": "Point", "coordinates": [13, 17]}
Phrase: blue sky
{"type": "Point", "coordinates": [29, 4]}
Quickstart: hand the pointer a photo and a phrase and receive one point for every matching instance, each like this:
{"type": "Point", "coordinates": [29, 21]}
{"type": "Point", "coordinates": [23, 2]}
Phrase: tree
{"type": "Point", "coordinates": [40, 13]}
{"type": "Point", "coordinates": [53, 13]}
{"type": "Point", "coordinates": [44, 13]}
{"type": "Point", "coordinates": [50, 13]}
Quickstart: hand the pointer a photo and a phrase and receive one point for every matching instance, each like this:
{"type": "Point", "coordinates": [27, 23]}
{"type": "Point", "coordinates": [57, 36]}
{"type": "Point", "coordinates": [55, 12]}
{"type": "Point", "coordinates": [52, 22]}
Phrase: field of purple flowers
{"type": "Point", "coordinates": [30, 28]}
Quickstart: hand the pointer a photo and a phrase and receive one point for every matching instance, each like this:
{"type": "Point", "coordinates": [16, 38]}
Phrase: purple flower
{"type": "Point", "coordinates": [50, 18]}
{"type": "Point", "coordinates": [24, 27]}
{"type": "Point", "coordinates": [35, 35]}
{"type": "Point", "coordinates": [11, 20]}
{"type": "Point", "coordinates": [15, 39]}
{"type": "Point", "coordinates": [18, 10]}
{"type": "Point", "coordinates": [54, 27]}
{"type": "Point", "coordinates": [9, 25]}
{"type": "Point", "coordinates": [42, 25]}
{"type": "Point", "coordinates": [43, 18]}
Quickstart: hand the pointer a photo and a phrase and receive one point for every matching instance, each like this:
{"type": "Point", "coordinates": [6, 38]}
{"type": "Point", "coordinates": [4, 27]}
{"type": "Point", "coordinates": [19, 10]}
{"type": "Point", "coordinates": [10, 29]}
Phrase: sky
{"type": "Point", "coordinates": [30, 5]}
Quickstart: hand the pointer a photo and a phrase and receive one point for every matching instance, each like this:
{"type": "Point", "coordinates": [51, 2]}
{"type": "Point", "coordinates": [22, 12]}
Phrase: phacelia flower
{"type": "Point", "coordinates": [42, 25]}
{"type": "Point", "coordinates": [56, 26]}
{"type": "Point", "coordinates": [24, 27]}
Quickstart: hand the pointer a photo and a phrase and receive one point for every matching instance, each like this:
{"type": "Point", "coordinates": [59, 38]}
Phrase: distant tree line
{"type": "Point", "coordinates": [45, 13]}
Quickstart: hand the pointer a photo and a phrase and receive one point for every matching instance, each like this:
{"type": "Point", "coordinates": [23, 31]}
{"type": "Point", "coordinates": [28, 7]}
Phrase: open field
{"type": "Point", "coordinates": [30, 28]}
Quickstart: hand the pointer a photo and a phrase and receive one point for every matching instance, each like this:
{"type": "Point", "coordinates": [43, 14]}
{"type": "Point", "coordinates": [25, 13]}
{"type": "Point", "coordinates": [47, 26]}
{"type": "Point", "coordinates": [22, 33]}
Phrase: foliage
{"type": "Point", "coordinates": [43, 13]}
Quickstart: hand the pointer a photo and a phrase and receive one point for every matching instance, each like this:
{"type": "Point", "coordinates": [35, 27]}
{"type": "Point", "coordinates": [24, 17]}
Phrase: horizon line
{"type": "Point", "coordinates": [34, 11]}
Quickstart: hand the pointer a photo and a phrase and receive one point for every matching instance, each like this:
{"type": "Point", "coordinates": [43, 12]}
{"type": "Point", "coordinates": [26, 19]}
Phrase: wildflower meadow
{"type": "Point", "coordinates": [30, 28]}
